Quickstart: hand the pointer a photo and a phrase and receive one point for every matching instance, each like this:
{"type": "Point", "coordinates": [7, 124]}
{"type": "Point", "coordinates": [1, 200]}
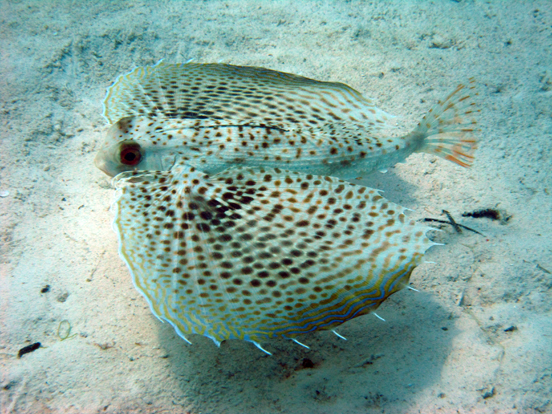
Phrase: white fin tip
{"type": "Point", "coordinates": [217, 343]}
{"type": "Point", "coordinates": [341, 336]}
{"type": "Point", "coordinates": [299, 343]}
{"type": "Point", "coordinates": [261, 348]}
{"type": "Point", "coordinates": [377, 316]}
{"type": "Point", "coordinates": [430, 262]}
{"type": "Point", "coordinates": [411, 288]}
{"type": "Point", "coordinates": [178, 331]}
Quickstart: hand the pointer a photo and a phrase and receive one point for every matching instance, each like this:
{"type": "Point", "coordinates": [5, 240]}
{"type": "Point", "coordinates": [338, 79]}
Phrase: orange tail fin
{"type": "Point", "coordinates": [448, 128]}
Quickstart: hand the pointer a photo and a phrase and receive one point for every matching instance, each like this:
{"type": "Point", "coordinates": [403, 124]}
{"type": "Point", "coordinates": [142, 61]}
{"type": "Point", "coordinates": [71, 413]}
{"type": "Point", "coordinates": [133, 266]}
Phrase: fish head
{"type": "Point", "coordinates": [134, 144]}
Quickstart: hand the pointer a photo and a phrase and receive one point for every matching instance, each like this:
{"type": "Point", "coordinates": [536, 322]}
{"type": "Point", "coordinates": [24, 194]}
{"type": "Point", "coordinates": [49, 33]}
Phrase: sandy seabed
{"type": "Point", "coordinates": [477, 338]}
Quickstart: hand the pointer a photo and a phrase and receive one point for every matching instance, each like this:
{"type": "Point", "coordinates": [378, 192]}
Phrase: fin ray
{"type": "Point", "coordinates": [238, 94]}
{"type": "Point", "coordinates": [447, 130]}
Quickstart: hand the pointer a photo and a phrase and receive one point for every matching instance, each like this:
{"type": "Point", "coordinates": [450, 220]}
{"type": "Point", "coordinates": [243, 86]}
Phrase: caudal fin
{"type": "Point", "coordinates": [448, 128]}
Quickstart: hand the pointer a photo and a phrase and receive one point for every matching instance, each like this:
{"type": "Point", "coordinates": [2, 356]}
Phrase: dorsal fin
{"type": "Point", "coordinates": [237, 94]}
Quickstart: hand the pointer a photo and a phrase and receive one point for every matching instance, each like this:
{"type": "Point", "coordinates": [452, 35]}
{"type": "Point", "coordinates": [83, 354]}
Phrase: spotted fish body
{"type": "Point", "coordinates": [213, 116]}
{"type": "Point", "coordinates": [260, 253]}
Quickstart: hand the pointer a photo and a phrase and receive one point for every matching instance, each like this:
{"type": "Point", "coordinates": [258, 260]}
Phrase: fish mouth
{"type": "Point", "coordinates": [101, 163]}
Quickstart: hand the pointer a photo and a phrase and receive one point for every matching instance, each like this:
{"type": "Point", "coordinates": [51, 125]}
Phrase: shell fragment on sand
{"type": "Point", "coordinates": [254, 254]}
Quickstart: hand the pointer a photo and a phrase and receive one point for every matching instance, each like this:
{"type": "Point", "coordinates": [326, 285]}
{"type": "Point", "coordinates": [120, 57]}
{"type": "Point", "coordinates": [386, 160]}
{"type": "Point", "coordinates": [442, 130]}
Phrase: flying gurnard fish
{"type": "Point", "coordinates": [227, 215]}
{"type": "Point", "coordinates": [213, 116]}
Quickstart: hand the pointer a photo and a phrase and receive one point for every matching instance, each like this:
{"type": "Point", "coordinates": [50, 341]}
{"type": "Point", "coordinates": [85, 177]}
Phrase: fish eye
{"type": "Point", "coordinates": [130, 154]}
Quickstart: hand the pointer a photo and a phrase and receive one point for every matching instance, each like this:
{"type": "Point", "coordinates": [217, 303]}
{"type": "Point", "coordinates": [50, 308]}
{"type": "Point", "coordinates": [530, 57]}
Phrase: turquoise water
{"type": "Point", "coordinates": [475, 338]}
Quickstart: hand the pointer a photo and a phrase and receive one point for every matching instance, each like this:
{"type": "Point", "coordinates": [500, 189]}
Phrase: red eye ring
{"type": "Point", "coordinates": [130, 155]}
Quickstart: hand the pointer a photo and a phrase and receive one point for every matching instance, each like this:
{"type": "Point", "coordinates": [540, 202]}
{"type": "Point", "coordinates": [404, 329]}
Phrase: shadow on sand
{"type": "Point", "coordinates": [382, 365]}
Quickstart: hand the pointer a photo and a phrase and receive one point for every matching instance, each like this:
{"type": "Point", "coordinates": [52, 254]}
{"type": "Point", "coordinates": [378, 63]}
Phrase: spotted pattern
{"type": "Point", "coordinates": [213, 116]}
{"type": "Point", "coordinates": [238, 94]}
{"type": "Point", "coordinates": [333, 150]}
{"type": "Point", "coordinates": [254, 254]}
